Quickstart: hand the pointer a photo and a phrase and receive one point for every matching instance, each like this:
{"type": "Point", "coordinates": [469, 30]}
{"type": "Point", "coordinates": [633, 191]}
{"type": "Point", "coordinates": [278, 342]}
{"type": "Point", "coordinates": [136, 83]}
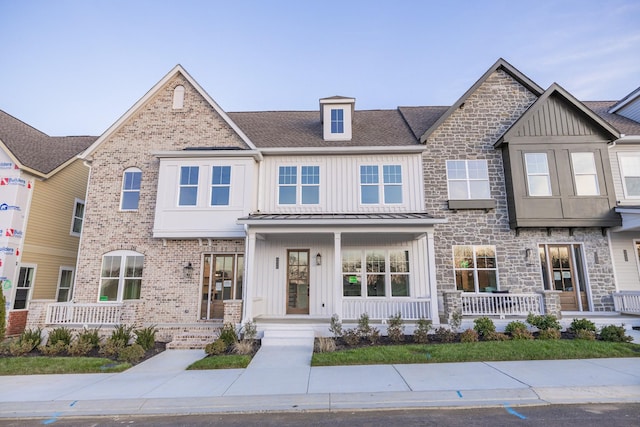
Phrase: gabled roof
{"type": "Point", "coordinates": [557, 90]}
{"type": "Point", "coordinates": [157, 87]}
{"type": "Point", "coordinates": [500, 64]}
{"type": "Point", "coordinates": [625, 101]}
{"type": "Point", "coordinates": [420, 119]}
{"type": "Point", "coordinates": [622, 124]}
{"type": "Point", "coordinates": [35, 151]}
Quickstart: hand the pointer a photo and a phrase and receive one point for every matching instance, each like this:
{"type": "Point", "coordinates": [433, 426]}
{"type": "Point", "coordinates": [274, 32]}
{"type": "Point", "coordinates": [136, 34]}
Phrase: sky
{"type": "Point", "coordinates": [74, 67]}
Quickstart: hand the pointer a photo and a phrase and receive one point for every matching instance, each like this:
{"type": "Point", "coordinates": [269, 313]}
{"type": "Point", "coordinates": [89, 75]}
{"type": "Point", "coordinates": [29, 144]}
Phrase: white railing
{"type": "Point", "coordinates": [488, 304]}
{"type": "Point", "coordinates": [84, 314]}
{"type": "Point", "coordinates": [627, 302]}
{"type": "Point", "coordinates": [409, 309]}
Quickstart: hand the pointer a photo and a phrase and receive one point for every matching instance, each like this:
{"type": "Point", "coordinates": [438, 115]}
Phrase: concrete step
{"type": "Point", "coordinates": [192, 340]}
{"type": "Point", "coordinates": [288, 337]}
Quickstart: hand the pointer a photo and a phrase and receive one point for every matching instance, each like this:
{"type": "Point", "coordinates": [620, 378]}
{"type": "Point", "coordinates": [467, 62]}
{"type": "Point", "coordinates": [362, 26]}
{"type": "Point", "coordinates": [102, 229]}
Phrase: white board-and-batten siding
{"type": "Point", "coordinates": [617, 172]}
{"type": "Point", "coordinates": [340, 183]}
{"type": "Point", "coordinates": [627, 270]}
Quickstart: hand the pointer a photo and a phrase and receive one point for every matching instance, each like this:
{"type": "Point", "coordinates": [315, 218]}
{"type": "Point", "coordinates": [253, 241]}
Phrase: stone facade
{"type": "Point", "coordinates": [470, 133]}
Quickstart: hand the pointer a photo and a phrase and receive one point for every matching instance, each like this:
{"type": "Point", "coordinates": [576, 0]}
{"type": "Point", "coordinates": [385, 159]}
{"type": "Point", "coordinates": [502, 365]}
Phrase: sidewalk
{"type": "Point", "coordinates": [280, 379]}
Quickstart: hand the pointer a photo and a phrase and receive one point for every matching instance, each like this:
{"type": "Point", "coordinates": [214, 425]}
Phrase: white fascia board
{"type": "Point", "coordinates": [408, 149]}
{"type": "Point", "coordinates": [184, 235]}
{"type": "Point", "coordinates": [628, 139]}
{"type": "Point", "coordinates": [182, 154]}
{"type": "Point", "coordinates": [351, 223]}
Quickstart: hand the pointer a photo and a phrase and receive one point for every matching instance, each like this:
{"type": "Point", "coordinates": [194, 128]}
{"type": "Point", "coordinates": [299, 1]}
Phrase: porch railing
{"type": "Point", "coordinates": [412, 309]}
{"type": "Point", "coordinates": [627, 302]}
{"type": "Point", "coordinates": [84, 314]}
{"type": "Point", "coordinates": [488, 304]}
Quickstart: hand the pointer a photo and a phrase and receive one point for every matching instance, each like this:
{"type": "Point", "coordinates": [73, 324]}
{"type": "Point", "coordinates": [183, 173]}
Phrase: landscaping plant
{"type": "Point", "coordinates": [421, 333]}
{"type": "Point", "coordinates": [216, 347]}
{"type": "Point", "coordinates": [3, 314]}
{"type": "Point", "coordinates": [518, 330]}
{"type": "Point", "coordinates": [484, 326]}
{"type": "Point", "coordinates": [228, 334]}
{"type": "Point", "coordinates": [336, 326]}
{"type": "Point", "coordinates": [542, 322]}
{"type": "Point", "coordinates": [146, 337]}
{"type": "Point", "coordinates": [122, 333]}
{"type": "Point", "coordinates": [59, 335]}
{"type": "Point", "coordinates": [395, 329]}
{"type": "Point", "coordinates": [131, 353]}
{"type": "Point", "coordinates": [469, 335]}
{"type": "Point", "coordinates": [614, 333]}
{"type": "Point", "coordinates": [455, 320]}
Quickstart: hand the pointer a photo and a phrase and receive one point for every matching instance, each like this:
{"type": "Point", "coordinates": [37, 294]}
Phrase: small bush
{"type": "Point", "coordinates": [80, 347]}
{"type": "Point", "coordinates": [395, 329]}
{"type": "Point", "coordinates": [249, 331]}
{"type": "Point", "coordinates": [243, 347]}
{"type": "Point", "coordinates": [31, 336]}
{"type": "Point", "coordinates": [336, 326]}
{"type": "Point", "coordinates": [582, 325]}
{"type": "Point", "coordinates": [216, 347]}
{"type": "Point", "coordinates": [521, 334]}
{"type": "Point", "coordinates": [364, 328]}
{"type": "Point", "coordinates": [515, 326]}
{"type": "Point", "coordinates": [228, 334]}
{"type": "Point", "coordinates": [146, 337]}
{"type": "Point", "coordinates": [90, 337]}
{"type": "Point", "coordinates": [421, 333]}
{"type": "Point", "coordinates": [542, 322]}
{"type": "Point", "coordinates": [55, 349]}
{"type": "Point", "coordinates": [3, 318]}
{"type": "Point", "coordinates": [59, 335]}
{"type": "Point", "coordinates": [583, 334]}
{"type": "Point", "coordinates": [455, 320]}
{"type": "Point", "coordinates": [122, 333]}
{"type": "Point", "coordinates": [549, 334]}
{"type": "Point", "coordinates": [469, 335]}
{"type": "Point", "coordinates": [614, 333]}
{"type": "Point", "coordinates": [325, 345]}
{"type": "Point", "coordinates": [484, 326]}
{"type": "Point", "coordinates": [443, 334]}
{"type": "Point", "coordinates": [21, 347]}
{"type": "Point", "coordinates": [351, 337]}
{"type": "Point", "coordinates": [111, 347]}
{"type": "Point", "coordinates": [374, 336]}
{"type": "Point", "coordinates": [496, 336]}
{"type": "Point", "coordinates": [131, 353]}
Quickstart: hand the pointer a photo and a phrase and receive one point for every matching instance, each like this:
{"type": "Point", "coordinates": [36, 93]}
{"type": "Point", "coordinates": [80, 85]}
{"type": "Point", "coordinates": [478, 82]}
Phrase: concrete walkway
{"type": "Point", "coordinates": [280, 379]}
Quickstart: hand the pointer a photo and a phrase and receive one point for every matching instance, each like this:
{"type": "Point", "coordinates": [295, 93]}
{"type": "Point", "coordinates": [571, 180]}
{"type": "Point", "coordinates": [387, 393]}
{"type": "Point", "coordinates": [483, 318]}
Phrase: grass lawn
{"type": "Point", "coordinates": [476, 352]}
{"type": "Point", "coordinates": [226, 361]}
{"type": "Point", "coordinates": [35, 365]}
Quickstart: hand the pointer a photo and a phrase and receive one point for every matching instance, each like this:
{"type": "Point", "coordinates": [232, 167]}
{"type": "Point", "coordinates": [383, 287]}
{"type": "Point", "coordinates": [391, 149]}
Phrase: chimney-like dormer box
{"type": "Point", "coordinates": [336, 115]}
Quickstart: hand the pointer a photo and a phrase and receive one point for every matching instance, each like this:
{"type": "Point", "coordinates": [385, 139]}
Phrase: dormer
{"type": "Point", "coordinates": [336, 116]}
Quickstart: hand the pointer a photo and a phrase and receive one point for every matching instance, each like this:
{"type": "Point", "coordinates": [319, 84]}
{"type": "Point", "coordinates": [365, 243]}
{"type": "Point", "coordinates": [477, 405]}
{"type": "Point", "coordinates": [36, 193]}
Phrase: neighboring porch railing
{"type": "Point", "coordinates": [489, 304]}
{"type": "Point", "coordinates": [627, 302]}
{"type": "Point", "coordinates": [84, 314]}
{"type": "Point", "coordinates": [412, 309]}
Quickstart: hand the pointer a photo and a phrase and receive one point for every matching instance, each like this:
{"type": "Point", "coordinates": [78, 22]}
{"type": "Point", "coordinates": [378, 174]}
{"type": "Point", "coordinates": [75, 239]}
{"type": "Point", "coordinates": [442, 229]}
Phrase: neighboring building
{"type": "Point", "coordinates": [42, 190]}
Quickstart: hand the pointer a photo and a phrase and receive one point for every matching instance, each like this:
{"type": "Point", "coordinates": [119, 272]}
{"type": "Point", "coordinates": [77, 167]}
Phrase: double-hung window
{"type": "Point", "coordinates": [23, 287]}
{"type": "Point", "coordinates": [78, 217]}
{"type": "Point", "coordinates": [392, 178]}
{"type": "Point", "coordinates": [287, 185]}
{"type": "Point", "coordinates": [337, 120]}
{"type": "Point", "coordinates": [220, 185]}
{"type": "Point", "coordinates": [188, 195]}
{"type": "Point", "coordinates": [306, 190]}
{"type": "Point", "coordinates": [538, 178]}
{"type": "Point", "coordinates": [475, 268]}
{"type": "Point", "coordinates": [310, 180]}
{"type": "Point", "coordinates": [370, 185]}
{"type": "Point", "coordinates": [369, 181]}
{"type": "Point", "coordinates": [121, 276]}
{"type": "Point", "coordinates": [630, 171]}
{"type": "Point", "coordinates": [65, 284]}
{"type": "Point", "coordinates": [585, 174]}
{"type": "Point", "coordinates": [468, 179]}
{"type": "Point", "coordinates": [130, 196]}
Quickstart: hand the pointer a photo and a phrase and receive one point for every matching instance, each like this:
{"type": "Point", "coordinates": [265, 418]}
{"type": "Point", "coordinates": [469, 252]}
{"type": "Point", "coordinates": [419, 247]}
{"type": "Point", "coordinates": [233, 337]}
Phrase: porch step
{"type": "Point", "coordinates": [288, 337]}
{"type": "Point", "coordinates": [196, 340]}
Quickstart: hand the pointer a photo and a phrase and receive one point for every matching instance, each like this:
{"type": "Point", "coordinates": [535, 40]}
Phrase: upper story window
{"type": "Point", "coordinates": [337, 120]}
{"type": "Point", "coordinates": [188, 186]}
{"type": "Point", "coordinates": [475, 268]}
{"type": "Point", "coordinates": [78, 217]}
{"type": "Point", "coordinates": [121, 276]}
{"type": "Point", "coordinates": [370, 188]}
{"type": "Point", "coordinates": [585, 174]}
{"type": "Point", "coordinates": [130, 196]}
{"type": "Point", "coordinates": [178, 98]}
{"type": "Point", "coordinates": [630, 171]}
{"type": "Point", "coordinates": [468, 179]}
{"type": "Point", "coordinates": [220, 185]}
{"type": "Point", "coordinates": [308, 186]}
{"type": "Point", "coordinates": [538, 178]}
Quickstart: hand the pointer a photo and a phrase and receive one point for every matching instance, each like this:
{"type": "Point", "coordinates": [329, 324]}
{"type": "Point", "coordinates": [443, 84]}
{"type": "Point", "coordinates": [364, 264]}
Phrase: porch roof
{"type": "Point", "coordinates": [630, 218]}
{"type": "Point", "coordinates": [337, 219]}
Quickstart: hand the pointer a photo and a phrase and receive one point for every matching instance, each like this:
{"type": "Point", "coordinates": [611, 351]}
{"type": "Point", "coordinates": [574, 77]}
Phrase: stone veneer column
{"type": "Point", "coordinates": [551, 303]}
{"type": "Point", "coordinates": [452, 302]}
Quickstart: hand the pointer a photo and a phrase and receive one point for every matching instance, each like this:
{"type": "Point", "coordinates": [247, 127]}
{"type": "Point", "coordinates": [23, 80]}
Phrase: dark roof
{"type": "Point", "coordinates": [37, 150]}
{"type": "Point", "coordinates": [371, 128]}
{"type": "Point", "coordinates": [340, 216]}
{"type": "Point", "coordinates": [420, 119]}
{"type": "Point", "coordinates": [622, 124]}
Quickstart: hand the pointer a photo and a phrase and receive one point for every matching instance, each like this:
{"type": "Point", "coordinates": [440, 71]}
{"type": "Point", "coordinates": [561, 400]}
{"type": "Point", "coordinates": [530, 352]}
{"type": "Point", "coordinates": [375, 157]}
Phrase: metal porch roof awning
{"type": "Point", "coordinates": [351, 219]}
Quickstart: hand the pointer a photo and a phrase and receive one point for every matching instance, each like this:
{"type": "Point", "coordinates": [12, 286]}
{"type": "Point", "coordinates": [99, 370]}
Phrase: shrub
{"type": "Point", "coordinates": [32, 336]}
{"type": "Point", "coordinates": [131, 353]}
{"type": "Point", "coordinates": [421, 333]}
{"type": "Point", "coordinates": [549, 334]}
{"type": "Point", "coordinates": [59, 335]}
{"type": "Point", "coordinates": [546, 321]}
{"type": "Point", "coordinates": [496, 336]}
{"type": "Point", "coordinates": [111, 347]}
{"type": "Point", "coordinates": [395, 328]}
{"type": "Point", "coordinates": [325, 345]}
{"type": "Point", "coordinates": [3, 319]}
{"type": "Point", "coordinates": [374, 336]}
{"type": "Point", "coordinates": [57, 348]}
{"type": "Point", "coordinates": [521, 334]}
{"type": "Point", "coordinates": [455, 320]}
{"type": "Point", "coordinates": [243, 347]}
{"type": "Point", "coordinates": [20, 348]}
{"type": "Point", "coordinates": [364, 328]}
{"type": "Point", "coordinates": [515, 326]}
{"type": "Point", "coordinates": [582, 325]}
{"type": "Point", "coordinates": [583, 334]}
{"type": "Point", "coordinates": [484, 326]}
{"type": "Point", "coordinates": [90, 337]}
{"type": "Point", "coordinates": [146, 337]}
{"type": "Point", "coordinates": [351, 337]}
{"type": "Point", "coordinates": [122, 333]}
{"type": "Point", "coordinates": [249, 331]}
{"type": "Point", "coordinates": [469, 335]}
{"type": "Point", "coordinates": [336, 326]}
{"type": "Point", "coordinates": [443, 334]}
{"type": "Point", "coordinates": [80, 347]}
{"type": "Point", "coordinates": [216, 347]}
{"type": "Point", "coordinates": [228, 334]}
{"type": "Point", "coordinates": [614, 333]}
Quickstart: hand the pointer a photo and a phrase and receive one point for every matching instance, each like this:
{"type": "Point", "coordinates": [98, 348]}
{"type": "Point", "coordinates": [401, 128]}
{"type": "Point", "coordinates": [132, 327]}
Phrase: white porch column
{"type": "Point", "coordinates": [431, 266]}
{"type": "Point", "coordinates": [337, 274]}
{"type": "Point", "coordinates": [250, 276]}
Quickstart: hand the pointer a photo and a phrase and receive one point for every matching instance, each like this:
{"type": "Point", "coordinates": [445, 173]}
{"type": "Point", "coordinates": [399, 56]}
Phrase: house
{"type": "Point", "coordinates": [42, 190]}
{"type": "Point", "coordinates": [497, 205]}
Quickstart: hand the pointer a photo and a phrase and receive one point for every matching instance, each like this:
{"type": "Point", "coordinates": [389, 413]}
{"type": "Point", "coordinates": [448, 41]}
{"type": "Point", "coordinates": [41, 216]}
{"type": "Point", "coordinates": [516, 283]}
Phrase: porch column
{"type": "Point", "coordinates": [433, 287]}
{"type": "Point", "coordinates": [249, 263]}
{"type": "Point", "coordinates": [337, 274]}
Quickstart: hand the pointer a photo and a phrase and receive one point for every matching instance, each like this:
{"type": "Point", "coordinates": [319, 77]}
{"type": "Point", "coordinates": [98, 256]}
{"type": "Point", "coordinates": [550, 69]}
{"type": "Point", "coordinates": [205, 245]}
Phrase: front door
{"type": "Point", "coordinates": [298, 281]}
{"type": "Point", "coordinates": [563, 270]}
{"type": "Point", "coordinates": [221, 280]}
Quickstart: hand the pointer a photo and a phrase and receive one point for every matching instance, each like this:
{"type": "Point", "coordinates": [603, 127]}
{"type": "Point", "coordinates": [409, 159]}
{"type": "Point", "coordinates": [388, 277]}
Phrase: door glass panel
{"type": "Point", "coordinates": [206, 288]}
{"type": "Point", "coordinates": [298, 282]}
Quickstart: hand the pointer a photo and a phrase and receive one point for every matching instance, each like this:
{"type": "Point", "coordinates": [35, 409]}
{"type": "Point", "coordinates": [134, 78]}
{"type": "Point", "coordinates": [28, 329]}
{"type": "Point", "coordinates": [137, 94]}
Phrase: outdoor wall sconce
{"type": "Point", "coordinates": [318, 259]}
{"type": "Point", "coordinates": [187, 270]}
{"type": "Point", "coordinates": [527, 254]}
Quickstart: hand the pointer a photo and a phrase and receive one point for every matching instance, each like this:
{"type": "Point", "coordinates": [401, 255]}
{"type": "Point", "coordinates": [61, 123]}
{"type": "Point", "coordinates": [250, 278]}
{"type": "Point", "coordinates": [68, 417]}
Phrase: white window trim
{"type": "Point", "coordinates": [475, 269]}
{"type": "Point", "coordinates": [73, 217]}
{"type": "Point", "coordinates": [73, 274]}
{"type": "Point", "coordinates": [387, 274]}
{"type": "Point", "coordinates": [298, 185]}
{"type": "Point", "coordinates": [636, 255]}
{"type": "Point", "coordinates": [594, 174]}
{"type": "Point", "coordinates": [528, 174]}
{"type": "Point", "coordinates": [212, 186]}
{"type": "Point", "coordinates": [197, 186]}
{"type": "Point", "coordinates": [33, 282]}
{"type": "Point", "coordinates": [122, 189]}
{"type": "Point", "coordinates": [467, 180]}
{"type": "Point", "coordinates": [381, 184]}
{"type": "Point", "coordinates": [123, 254]}
{"type": "Point", "coordinates": [622, 175]}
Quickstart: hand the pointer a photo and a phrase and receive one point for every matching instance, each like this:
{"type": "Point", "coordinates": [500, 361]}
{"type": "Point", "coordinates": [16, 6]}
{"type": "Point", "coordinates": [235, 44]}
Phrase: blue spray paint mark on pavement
{"type": "Point", "coordinates": [513, 412]}
{"type": "Point", "coordinates": [459, 394]}
{"type": "Point", "coordinates": [73, 403]}
{"type": "Point", "coordinates": [53, 419]}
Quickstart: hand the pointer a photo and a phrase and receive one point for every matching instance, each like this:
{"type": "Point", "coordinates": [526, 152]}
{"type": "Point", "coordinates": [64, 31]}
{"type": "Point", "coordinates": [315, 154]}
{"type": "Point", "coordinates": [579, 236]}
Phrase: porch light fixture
{"type": "Point", "coordinates": [318, 259]}
{"type": "Point", "coordinates": [527, 254]}
{"type": "Point", "coordinates": [187, 270]}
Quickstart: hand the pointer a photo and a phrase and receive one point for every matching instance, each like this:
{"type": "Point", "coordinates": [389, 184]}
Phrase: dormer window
{"type": "Point", "coordinates": [337, 120]}
{"type": "Point", "coordinates": [336, 115]}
